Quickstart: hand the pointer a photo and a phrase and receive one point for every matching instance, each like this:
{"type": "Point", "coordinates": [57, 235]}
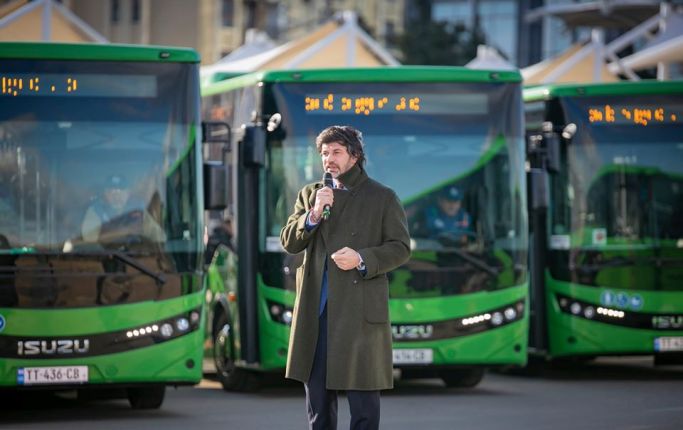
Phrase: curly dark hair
{"type": "Point", "coordinates": [346, 136]}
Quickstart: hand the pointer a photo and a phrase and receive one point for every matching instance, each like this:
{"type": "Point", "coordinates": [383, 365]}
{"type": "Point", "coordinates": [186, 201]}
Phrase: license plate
{"type": "Point", "coordinates": [413, 356]}
{"type": "Point", "coordinates": [671, 343]}
{"type": "Point", "coordinates": [52, 375]}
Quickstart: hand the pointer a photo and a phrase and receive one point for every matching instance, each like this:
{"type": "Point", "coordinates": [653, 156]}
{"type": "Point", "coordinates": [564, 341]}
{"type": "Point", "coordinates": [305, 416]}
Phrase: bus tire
{"type": "Point", "coordinates": [146, 397]}
{"type": "Point", "coordinates": [229, 375]}
{"type": "Point", "coordinates": [462, 378]}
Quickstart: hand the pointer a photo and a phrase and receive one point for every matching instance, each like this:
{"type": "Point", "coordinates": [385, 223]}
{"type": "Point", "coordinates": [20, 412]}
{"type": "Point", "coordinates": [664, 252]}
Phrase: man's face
{"type": "Point", "coordinates": [450, 207]}
{"type": "Point", "coordinates": [116, 197]}
{"type": "Point", "coordinates": [336, 158]}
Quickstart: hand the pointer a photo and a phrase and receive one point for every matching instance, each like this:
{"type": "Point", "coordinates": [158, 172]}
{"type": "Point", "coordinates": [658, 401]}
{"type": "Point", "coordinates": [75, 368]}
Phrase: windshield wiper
{"type": "Point", "coordinates": [666, 261]}
{"type": "Point", "coordinates": [137, 265]}
{"type": "Point", "coordinates": [481, 264]}
{"type": "Point", "coordinates": [115, 254]}
{"type": "Point", "coordinates": [595, 266]}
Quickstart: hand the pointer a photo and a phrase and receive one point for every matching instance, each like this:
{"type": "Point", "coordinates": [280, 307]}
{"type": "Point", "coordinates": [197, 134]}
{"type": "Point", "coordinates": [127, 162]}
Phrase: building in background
{"type": "Point", "coordinates": [504, 25]}
{"type": "Point", "coordinates": [382, 19]}
{"type": "Point", "coordinates": [523, 31]}
{"type": "Point", "coordinates": [217, 27]}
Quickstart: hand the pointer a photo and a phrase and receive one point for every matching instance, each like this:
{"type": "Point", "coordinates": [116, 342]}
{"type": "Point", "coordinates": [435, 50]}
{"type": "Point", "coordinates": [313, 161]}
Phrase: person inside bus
{"type": "Point", "coordinates": [112, 217]}
{"type": "Point", "coordinates": [221, 233]}
{"type": "Point", "coordinates": [447, 220]}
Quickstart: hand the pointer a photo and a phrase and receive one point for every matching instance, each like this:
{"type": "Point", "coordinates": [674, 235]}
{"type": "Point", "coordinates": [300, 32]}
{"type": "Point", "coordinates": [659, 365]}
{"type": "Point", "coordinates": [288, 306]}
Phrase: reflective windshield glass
{"type": "Point", "coordinates": [619, 200]}
{"type": "Point", "coordinates": [98, 156]}
{"type": "Point", "coordinates": [453, 154]}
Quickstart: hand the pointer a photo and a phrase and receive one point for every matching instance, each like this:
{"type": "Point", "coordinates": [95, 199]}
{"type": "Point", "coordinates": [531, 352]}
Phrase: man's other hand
{"type": "Point", "coordinates": [346, 258]}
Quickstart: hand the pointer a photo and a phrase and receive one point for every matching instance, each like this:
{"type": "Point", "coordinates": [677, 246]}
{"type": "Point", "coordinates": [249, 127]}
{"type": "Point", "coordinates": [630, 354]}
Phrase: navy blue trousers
{"type": "Point", "coordinates": [321, 403]}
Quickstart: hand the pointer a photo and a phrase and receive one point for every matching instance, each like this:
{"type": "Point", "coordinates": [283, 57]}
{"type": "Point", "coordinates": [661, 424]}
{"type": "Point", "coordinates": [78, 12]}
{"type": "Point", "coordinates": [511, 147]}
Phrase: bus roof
{"type": "Point", "coordinates": [97, 52]}
{"type": "Point", "coordinates": [375, 74]}
{"type": "Point", "coordinates": [546, 92]}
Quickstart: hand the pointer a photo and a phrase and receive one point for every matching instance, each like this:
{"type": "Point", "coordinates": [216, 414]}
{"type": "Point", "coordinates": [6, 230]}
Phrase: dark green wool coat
{"type": "Point", "coordinates": [368, 218]}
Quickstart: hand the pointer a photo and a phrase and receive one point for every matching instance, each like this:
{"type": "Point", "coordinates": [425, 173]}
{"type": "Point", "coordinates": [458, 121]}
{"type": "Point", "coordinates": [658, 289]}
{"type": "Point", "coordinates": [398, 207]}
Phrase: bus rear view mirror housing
{"type": "Point", "coordinates": [544, 147]}
{"type": "Point", "coordinates": [552, 152]}
{"type": "Point", "coordinates": [253, 145]}
{"type": "Point", "coordinates": [215, 186]}
{"type": "Point", "coordinates": [539, 197]}
{"type": "Point", "coordinates": [551, 144]}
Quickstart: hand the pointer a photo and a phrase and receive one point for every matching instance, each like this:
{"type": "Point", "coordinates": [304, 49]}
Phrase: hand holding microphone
{"type": "Point", "coordinates": [324, 199]}
{"type": "Point", "coordinates": [327, 180]}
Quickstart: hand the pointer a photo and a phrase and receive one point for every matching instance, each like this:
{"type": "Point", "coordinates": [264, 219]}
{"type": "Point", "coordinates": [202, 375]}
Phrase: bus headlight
{"type": "Point", "coordinates": [589, 312]}
{"type": "Point", "coordinates": [575, 308]}
{"type": "Point", "coordinates": [166, 330]}
{"type": "Point", "coordinates": [182, 324]}
{"type": "Point", "coordinates": [280, 313]}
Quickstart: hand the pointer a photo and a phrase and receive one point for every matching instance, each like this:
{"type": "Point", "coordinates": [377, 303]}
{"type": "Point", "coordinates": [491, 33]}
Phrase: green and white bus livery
{"type": "Point", "coordinates": [459, 304]}
{"type": "Point", "coordinates": [121, 307]}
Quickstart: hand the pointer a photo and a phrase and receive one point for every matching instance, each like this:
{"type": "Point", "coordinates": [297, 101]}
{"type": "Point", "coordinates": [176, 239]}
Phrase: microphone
{"type": "Point", "coordinates": [327, 180]}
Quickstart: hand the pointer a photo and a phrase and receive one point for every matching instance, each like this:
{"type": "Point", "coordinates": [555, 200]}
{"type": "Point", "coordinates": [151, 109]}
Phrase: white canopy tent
{"type": "Point", "coordinates": [488, 58]}
{"type": "Point", "coordinates": [44, 20]}
{"type": "Point", "coordinates": [340, 42]}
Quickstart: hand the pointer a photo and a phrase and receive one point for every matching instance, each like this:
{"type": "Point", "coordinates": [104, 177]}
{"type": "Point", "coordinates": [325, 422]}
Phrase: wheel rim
{"type": "Point", "coordinates": [222, 351]}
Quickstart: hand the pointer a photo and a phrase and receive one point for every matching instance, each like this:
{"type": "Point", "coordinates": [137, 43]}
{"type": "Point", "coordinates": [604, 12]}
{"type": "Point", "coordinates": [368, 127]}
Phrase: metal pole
{"type": "Point", "coordinates": [663, 67]}
{"type": "Point", "coordinates": [47, 20]}
{"type": "Point", "coordinates": [597, 38]}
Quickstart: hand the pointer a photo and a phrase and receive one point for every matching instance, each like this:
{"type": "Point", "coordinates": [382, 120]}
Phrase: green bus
{"type": "Point", "coordinates": [117, 307]}
{"type": "Point", "coordinates": [459, 304]}
{"type": "Point", "coordinates": [606, 211]}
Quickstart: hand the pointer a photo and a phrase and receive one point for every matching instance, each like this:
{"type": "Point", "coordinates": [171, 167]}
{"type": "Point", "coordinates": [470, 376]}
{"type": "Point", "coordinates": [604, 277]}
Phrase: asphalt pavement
{"type": "Point", "coordinates": [623, 394]}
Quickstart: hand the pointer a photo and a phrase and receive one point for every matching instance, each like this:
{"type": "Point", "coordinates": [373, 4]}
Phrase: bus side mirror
{"type": "Point", "coordinates": [538, 189]}
{"type": "Point", "coordinates": [215, 132]}
{"type": "Point", "coordinates": [552, 152]}
{"type": "Point", "coordinates": [215, 186]}
{"type": "Point", "coordinates": [254, 146]}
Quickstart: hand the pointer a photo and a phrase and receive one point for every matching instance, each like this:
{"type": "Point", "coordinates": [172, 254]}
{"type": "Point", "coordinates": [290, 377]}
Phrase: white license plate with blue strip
{"type": "Point", "coordinates": [669, 343]}
{"type": "Point", "coordinates": [52, 375]}
{"type": "Point", "coordinates": [413, 356]}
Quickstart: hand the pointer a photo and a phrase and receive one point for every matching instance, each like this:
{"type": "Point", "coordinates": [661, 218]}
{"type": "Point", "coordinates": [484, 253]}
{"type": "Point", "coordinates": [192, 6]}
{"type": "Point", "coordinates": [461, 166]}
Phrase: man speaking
{"type": "Point", "coordinates": [351, 235]}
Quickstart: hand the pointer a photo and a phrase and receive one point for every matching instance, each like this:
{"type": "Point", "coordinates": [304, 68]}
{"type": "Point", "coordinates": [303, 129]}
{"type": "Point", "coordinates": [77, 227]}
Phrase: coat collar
{"type": "Point", "coordinates": [353, 177]}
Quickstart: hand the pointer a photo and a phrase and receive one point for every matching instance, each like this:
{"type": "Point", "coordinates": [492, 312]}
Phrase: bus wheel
{"type": "Point", "coordinates": [146, 397]}
{"type": "Point", "coordinates": [231, 377]}
{"type": "Point", "coordinates": [463, 378]}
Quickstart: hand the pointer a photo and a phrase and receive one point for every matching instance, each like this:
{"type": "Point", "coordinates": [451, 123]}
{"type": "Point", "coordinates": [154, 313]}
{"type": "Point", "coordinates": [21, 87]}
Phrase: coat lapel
{"type": "Point", "coordinates": [341, 197]}
{"type": "Point", "coordinates": [351, 179]}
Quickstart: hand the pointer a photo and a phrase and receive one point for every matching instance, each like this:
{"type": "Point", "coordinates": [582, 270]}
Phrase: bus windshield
{"type": "Point", "coordinates": [97, 156]}
{"type": "Point", "coordinates": [623, 178]}
{"type": "Point", "coordinates": [619, 198]}
{"type": "Point", "coordinates": [451, 151]}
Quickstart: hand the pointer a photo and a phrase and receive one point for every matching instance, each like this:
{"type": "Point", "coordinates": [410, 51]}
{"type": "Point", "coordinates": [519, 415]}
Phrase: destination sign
{"type": "Point", "coordinates": [77, 85]}
{"type": "Point", "coordinates": [642, 115]}
{"type": "Point", "coordinates": [378, 104]}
